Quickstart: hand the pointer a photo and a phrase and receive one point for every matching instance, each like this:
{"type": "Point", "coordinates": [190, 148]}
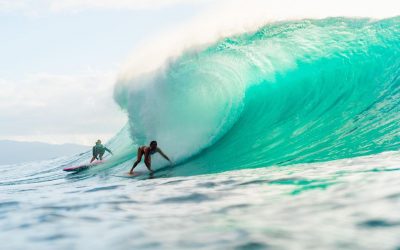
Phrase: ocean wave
{"type": "Point", "coordinates": [290, 92]}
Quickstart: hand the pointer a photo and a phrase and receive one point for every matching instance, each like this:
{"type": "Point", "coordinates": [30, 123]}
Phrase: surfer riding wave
{"type": "Point", "coordinates": [98, 151]}
{"type": "Point", "coordinates": [147, 152]}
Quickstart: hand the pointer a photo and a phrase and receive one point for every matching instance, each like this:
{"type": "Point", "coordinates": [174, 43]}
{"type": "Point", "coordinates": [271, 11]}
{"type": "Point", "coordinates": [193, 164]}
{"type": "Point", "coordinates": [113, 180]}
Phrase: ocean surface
{"type": "Point", "coordinates": [286, 137]}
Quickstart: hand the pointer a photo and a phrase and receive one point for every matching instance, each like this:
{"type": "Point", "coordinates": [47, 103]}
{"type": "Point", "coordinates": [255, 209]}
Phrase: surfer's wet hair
{"type": "Point", "coordinates": [153, 142]}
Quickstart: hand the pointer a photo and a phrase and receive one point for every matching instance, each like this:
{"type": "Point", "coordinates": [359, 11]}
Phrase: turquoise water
{"type": "Point", "coordinates": [345, 204]}
{"type": "Point", "coordinates": [283, 138]}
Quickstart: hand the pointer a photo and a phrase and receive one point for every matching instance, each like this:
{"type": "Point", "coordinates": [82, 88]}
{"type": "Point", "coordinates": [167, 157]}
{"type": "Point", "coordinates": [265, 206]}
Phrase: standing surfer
{"type": "Point", "coordinates": [98, 151]}
{"type": "Point", "coordinates": [147, 152]}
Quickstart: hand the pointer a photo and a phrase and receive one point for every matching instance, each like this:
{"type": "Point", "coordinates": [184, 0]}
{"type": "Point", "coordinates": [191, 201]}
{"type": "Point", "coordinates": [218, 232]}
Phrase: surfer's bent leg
{"type": "Point", "coordinates": [138, 159]}
{"type": "Point", "coordinates": [94, 153]}
{"type": "Point", "coordinates": [148, 163]}
{"type": "Point", "coordinates": [93, 158]}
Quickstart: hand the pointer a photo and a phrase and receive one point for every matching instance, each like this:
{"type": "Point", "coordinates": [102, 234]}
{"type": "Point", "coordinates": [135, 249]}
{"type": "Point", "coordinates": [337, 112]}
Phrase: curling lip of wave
{"type": "Point", "coordinates": [232, 17]}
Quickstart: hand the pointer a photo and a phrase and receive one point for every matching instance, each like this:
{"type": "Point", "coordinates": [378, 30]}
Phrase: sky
{"type": "Point", "coordinates": [60, 60]}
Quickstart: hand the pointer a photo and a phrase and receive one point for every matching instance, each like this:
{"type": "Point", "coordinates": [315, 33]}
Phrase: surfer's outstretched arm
{"type": "Point", "coordinates": [163, 155]}
{"type": "Point", "coordinates": [109, 151]}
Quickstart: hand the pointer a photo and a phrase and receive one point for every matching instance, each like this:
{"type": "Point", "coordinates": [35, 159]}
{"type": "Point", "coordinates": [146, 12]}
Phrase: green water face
{"type": "Point", "coordinates": [293, 92]}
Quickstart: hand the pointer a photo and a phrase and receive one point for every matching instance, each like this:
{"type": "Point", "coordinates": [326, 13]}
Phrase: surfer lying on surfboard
{"type": "Point", "coordinates": [147, 152]}
{"type": "Point", "coordinates": [98, 151]}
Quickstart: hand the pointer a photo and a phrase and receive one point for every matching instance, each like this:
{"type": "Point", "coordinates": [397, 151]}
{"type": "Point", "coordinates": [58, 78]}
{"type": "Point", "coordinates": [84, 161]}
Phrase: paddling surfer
{"type": "Point", "coordinates": [147, 152]}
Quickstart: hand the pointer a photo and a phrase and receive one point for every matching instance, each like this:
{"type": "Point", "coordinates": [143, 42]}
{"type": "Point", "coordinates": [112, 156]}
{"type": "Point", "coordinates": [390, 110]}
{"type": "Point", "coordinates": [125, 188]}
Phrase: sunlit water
{"type": "Point", "coordinates": [345, 204]}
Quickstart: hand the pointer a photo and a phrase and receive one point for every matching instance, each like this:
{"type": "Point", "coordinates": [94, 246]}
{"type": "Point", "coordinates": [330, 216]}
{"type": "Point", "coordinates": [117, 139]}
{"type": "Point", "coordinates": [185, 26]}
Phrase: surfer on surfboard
{"type": "Point", "coordinates": [98, 151]}
{"type": "Point", "coordinates": [147, 152]}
